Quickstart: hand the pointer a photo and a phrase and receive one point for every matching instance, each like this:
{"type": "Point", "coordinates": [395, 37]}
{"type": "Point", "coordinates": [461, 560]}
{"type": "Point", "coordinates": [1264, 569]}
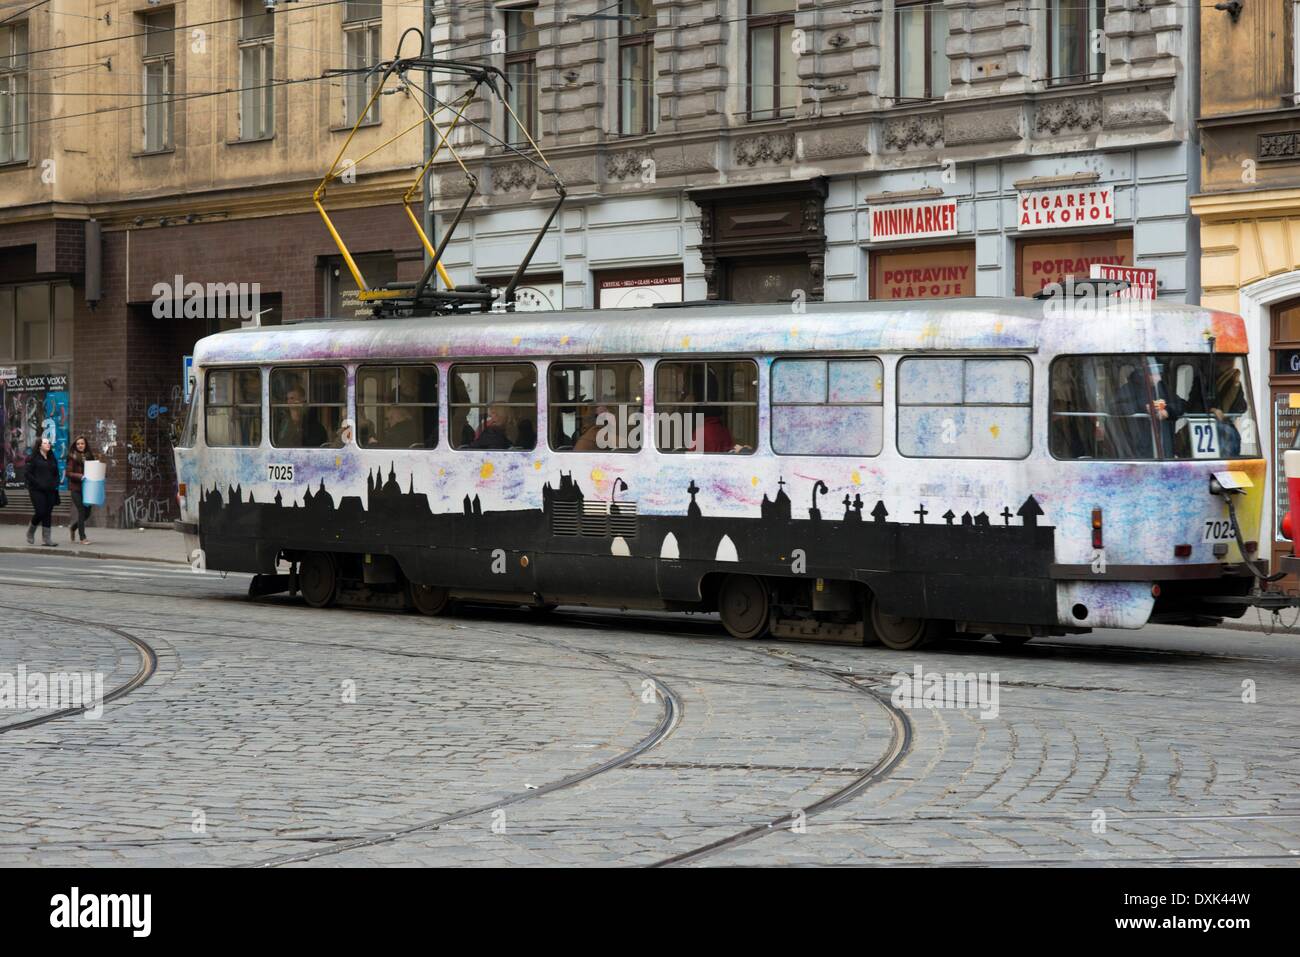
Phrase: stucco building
{"type": "Point", "coordinates": [156, 168]}
{"type": "Point", "coordinates": [750, 149]}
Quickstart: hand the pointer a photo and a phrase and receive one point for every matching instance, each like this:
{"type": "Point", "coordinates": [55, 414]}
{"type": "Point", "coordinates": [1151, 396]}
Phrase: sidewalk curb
{"type": "Point", "coordinates": [56, 553]}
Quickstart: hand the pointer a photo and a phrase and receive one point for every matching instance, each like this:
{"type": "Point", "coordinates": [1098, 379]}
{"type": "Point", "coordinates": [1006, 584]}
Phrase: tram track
{"type": "Point", "coordinates": [900, 745]}
{"type": "Point", "coordinates": [148, 666]}
{"type": "Point", "coordinates": [669, 717]}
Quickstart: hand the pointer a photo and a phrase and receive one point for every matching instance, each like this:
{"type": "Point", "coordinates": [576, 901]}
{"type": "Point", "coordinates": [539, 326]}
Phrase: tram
{"type": "Point", "coordinates": [854, 471]}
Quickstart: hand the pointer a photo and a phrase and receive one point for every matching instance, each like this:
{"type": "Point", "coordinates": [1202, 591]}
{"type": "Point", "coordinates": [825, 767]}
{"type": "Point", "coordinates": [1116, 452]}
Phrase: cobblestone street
{"type": "Point", "coordinates": [272, 733]}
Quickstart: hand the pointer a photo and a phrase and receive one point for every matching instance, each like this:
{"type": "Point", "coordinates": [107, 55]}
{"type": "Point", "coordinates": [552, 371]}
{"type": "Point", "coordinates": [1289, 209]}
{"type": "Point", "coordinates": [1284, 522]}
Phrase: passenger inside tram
{"type": "Point", "coordinates": [297, 427]}
{"type": "Point", "coordinates": [494, 433]}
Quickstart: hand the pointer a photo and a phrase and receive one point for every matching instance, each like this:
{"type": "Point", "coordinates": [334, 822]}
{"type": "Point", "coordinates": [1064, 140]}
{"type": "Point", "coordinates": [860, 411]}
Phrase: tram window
{"type": "Point", "coordinates": [709, 407]}
{"type": "Point", "coordinates": [596, 407]}
{"type": "Point", "coordinates": [827, 406]}
{"type": "Point", "coordinates": [233, 408]}
{"type": "Point", "coordinates": [397, 407]}
{"type": "Point", "coordinates": [493, 406]}
{"type": "Point", "coordinates": [957, 407]}
{"type": "Point", "coordinates": [1152, 407]}
{"type": "Point", "coordinates": [307, 408]}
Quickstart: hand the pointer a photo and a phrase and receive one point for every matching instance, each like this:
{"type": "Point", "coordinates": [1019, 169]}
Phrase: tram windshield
{"type": "Point", "coordinates": [1152, 407]}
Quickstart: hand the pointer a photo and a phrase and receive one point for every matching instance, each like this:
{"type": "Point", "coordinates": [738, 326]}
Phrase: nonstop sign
{"type": "Point", "coordinates": [913, 220]}
{"type": "Point", "coordinates": [1066, 208]}
{"type": "Point", "coordinates": [1142, 282]}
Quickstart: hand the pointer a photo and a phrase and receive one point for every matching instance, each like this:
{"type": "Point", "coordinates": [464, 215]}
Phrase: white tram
{"type": "Point", "coordinates": [859, 471]}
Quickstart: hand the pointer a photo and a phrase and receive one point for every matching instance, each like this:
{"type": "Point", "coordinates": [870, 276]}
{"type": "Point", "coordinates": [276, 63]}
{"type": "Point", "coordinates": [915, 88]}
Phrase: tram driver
{"type": "Point", "coordinates": [1162, 408]}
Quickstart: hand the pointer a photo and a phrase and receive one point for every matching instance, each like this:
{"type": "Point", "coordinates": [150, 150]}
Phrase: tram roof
{"type": "Point", "coordinates": [985, 324]}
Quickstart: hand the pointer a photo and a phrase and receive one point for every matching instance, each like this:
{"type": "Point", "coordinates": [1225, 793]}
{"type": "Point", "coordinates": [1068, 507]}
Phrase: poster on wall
{"type": "Point", "coordinates": [35, 407]}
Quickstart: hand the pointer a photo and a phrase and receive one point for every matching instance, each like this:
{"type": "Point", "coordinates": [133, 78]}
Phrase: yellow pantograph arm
{"type": "Point", "coordinates": [444, 139]}
{"type": "Point", "coordinates": [319, 192]}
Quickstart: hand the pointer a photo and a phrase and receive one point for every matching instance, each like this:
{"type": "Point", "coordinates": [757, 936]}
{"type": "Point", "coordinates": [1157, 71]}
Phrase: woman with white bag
{"type": "Point", "coordinates": [81, 461]}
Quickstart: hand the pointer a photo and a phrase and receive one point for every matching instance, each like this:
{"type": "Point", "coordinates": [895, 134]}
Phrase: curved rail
{"type": "Point", "coordinates": [900, 744]}
{"type": "Point", "coordinates": [672, 709]}
{"type": "Point", "coordinates": [148, 665]}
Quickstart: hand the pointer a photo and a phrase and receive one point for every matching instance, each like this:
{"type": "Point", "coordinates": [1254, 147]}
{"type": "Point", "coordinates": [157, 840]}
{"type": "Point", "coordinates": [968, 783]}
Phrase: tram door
{"type": "Point", "coordinates": [1283, 382]}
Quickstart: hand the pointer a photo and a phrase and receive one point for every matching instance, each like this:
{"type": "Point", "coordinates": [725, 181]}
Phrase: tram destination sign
{"type": "Point", "coordinates": [1065, 208]}
{"type": "Point", "coordinates": [912, 220]}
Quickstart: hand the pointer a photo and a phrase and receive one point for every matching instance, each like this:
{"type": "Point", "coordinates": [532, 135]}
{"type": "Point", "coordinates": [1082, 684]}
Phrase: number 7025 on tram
{"type": "Point", "coordinates": [856, 471]}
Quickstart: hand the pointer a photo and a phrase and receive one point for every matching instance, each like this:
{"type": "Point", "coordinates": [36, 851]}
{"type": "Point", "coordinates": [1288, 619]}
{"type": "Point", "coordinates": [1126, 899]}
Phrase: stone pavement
{"type": "Point", "coordinates": [276, 733]}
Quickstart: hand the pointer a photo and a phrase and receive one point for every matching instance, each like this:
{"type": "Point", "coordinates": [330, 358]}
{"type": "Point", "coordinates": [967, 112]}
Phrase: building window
{"type": "Point", "coordinates": [964, 408]}
{"type": "Point", "coordinates": [35, 322]}
{"type": "Point", "coordinates": [397, 407]}
{"type": "Point", "coordinates": [773, 80]}
{"type": "Point", "coordinates": [920, 50]}
{"type": "Point", "coordinates": [828, 407]}
{"type": "Point", "coordinates": [596, 408]}
{"type": "Point", "coordinates": [233, 408]}
{"type": "Point", "coordinates": [638, 109]}
{"type": "Point", "coordinates": [362, 23]}
{"type": "Point", "coordinates": [493, 406]}
{"type": "Point", "coordinates": [307, 408]}
{"type": "Point", "coordinates": [1076, 51]}
{"type": "Point", "coordinates": [521, 74]}
{"type": "Point", "coordinates": [256, 71]}
{"type": "Point", "coordinates": [709, 407]}
{"type": "Point", "coordinates": [13, 93]}
{"type": "Point", "coordinates": [159, 78]}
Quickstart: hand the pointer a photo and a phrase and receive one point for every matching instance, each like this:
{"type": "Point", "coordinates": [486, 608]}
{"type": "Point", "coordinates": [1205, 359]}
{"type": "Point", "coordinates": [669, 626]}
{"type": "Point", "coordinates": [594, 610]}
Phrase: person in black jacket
{"type": "Point", "coordinates": [43, 486]}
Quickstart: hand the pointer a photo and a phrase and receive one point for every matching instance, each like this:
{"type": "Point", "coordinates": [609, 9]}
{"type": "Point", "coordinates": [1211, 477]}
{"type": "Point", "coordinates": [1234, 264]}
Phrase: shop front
{"type": "Point", "coordinates": [35, 374]}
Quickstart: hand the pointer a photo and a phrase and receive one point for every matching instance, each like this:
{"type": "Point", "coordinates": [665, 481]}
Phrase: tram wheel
{"type": "Point", "coordinates": [1013, 641]}
{"type": "Point", "coordinates": [318, 579]}
{"type": "Point", "coordinates": [744, 606]}
{"type": "Point", "coordinates": [899, 633]}
{"type": "Point", "coordinates": [429, 599]}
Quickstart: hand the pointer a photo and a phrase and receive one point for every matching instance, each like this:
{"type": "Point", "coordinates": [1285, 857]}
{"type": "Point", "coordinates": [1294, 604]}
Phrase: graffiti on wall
{"type": "Point", "coordinates": [155, 413]}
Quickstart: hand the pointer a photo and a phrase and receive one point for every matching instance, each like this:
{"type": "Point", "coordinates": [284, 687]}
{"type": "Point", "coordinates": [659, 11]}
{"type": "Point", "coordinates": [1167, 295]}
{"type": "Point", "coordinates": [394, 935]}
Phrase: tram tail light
{"type": "Point", "coordinates": [1182, 551]}
{"type": "Point", "coordinates": [1252, 547]}
{"type": "Point", "coordinates": [1096, 528]}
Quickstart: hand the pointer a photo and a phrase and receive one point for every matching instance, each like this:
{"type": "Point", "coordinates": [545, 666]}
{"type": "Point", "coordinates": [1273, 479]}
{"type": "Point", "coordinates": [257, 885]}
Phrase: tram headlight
{"type": "Point", "coordinates": [1096, 528]}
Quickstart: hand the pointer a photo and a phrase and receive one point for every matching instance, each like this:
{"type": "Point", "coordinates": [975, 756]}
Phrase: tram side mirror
{"type": "Point", "coordinates": [1230, 482]}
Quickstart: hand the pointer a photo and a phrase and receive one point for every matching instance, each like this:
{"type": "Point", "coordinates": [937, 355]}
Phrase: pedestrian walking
{"type": "Point", "coordinates": [43, 486]}
{"type": "Point", "coordinates": [78, 456]}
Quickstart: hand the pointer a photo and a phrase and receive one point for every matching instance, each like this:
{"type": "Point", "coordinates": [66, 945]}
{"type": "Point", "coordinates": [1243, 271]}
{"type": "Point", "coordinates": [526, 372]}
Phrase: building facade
{"type": "Point", "coordinates": [1249, 210]}
{"type": "Point", "coordinates": [766, 149]}
{"type": "Point", "coordinates": [157, 162]}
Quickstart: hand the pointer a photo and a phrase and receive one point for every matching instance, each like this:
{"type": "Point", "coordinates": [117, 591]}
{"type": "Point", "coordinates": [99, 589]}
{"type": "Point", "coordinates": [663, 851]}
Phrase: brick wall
{"type": "Point", "coordinates": [126, 381]}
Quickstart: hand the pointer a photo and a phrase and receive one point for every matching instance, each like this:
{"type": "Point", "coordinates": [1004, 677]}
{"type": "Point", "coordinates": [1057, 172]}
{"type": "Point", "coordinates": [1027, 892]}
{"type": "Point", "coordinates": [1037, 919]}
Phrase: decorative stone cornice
{"type": "Point", "coordinates": [1079, 114]}
{"type": "Point", "coordinates": [626, 165]}
{"type": "Point", "coordinates": [907, 131]}
{"type": "Point", "coordinates": [514, 177]}
{"type": "Point", "coordinates": [767, 148]}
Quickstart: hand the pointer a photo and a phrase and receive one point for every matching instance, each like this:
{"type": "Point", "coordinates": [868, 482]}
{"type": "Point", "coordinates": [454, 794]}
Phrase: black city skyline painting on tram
{"type": "Point", "coordinates": [862, 472]}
